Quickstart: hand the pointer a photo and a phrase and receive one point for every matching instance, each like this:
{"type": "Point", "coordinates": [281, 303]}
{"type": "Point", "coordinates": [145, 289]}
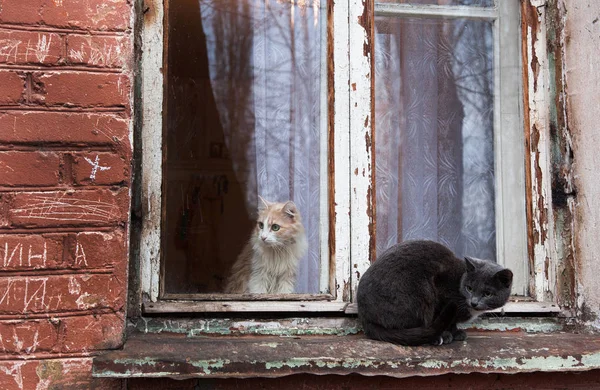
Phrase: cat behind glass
{"type": "Point", "coordinates": [417, 291]}
{"type": "Point", "coordinates": [269, 262]}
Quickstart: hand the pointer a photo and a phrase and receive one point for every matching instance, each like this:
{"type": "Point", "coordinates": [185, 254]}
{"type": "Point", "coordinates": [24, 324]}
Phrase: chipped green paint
{"type": "Point", "coordinates": [223, 327]}
{"type": "Point", "coordinates": [270, 345]}
{"type": "Point", "coordinates": [291, 363]}
{"type": "Point", "coordinates": [434, 364]}
{"type": "Point", "coordinates": [148, 361]}
{"type": "Point", "coordinates": [529, 325]}
{"type": "Point", "coordinates": [318, 326]}
{"type": "Point", "coordinates": [208, 366]}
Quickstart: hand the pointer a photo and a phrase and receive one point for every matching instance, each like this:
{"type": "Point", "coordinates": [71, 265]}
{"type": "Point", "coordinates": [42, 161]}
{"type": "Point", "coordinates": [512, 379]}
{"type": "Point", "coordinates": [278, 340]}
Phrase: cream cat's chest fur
{"type": "Point", "coordinates": [274, 269]}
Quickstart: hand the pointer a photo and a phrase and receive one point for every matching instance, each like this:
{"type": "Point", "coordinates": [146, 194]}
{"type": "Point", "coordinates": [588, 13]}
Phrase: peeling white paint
{"type": "Point", "coordinates": [152, 81]}
{"type": "Point", "coordinates": [361, 141]}
{"type": "Point", "coordinates": [544, 255]}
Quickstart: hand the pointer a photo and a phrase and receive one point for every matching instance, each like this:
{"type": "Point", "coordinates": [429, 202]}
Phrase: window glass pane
{"type": "Point", "coordinates": [473, 3]}
{"type": "Point", "coordinates": [244, 82]}
{"type": "Point", "coordinates": [434, 140]}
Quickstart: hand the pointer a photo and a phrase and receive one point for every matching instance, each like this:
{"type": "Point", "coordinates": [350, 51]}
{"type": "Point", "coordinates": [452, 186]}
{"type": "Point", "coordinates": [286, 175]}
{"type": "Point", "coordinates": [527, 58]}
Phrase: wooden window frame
{"type": "Point", "coordinates": [351, 159]}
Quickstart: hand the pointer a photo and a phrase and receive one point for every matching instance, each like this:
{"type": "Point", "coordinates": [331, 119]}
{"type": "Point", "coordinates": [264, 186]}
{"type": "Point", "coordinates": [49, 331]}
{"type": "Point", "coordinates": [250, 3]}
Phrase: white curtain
{"type": "Point", "coordinates": [434, 134]}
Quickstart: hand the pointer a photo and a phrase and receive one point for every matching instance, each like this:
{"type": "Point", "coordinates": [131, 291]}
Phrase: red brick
{"type": "Point", "coordinates": [100, 169]}
{"type": "Point", "coordinates": [29, 169]}
{"type": "Point", "coordinates": [25, 337]}
{"type": "Point", "coordinates": [12, 87]}
{"type": "Point", "coordinates": [25, 47]}
{"type": "Point", "coordinates": [70, 208]}
{"type": "Point", "coordinates": [84, 89]}
{"type": "Point", "coordinates": [86, 250]}
{"type": "Point", "coordinates": [59, 293]}
{"type": "Point", "coordinates": [21, 12]}
{"type": "Point", "coordinates": [88, 333]}
{"type": "Point", "coordinates": [28, 252]}
{"type": "Point", "coordinates": [100, 51]}
{"type": "Point", "coordinates": [58, 127]}
{"type": "Point", "coordinates": [98, 250]}
{"type": "Point", "coordinates": [64, 374]}
{"type": "Point", "coordinates": [79, 14]}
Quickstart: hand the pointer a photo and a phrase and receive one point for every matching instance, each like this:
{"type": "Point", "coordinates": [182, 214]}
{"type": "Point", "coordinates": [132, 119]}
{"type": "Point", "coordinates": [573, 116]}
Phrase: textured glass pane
{"type": "Point", "coordinates": [243, 93]}
{"type": "Point", "coordinates": [434, 141]}
{"type": "Point", "coordinates": [473, 3]}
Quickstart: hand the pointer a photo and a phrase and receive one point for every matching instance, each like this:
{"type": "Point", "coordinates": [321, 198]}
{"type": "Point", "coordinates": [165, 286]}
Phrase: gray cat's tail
{"type": "Point", "coordinates": [414, 336]}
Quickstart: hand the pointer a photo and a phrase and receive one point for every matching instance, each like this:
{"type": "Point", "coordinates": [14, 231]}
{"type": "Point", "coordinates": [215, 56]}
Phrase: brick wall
{"type": "Point", "coordinates": [65, 158]}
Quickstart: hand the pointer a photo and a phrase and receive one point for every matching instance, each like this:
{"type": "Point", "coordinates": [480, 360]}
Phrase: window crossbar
{"type": "Point", "coordinates": [435, 11]}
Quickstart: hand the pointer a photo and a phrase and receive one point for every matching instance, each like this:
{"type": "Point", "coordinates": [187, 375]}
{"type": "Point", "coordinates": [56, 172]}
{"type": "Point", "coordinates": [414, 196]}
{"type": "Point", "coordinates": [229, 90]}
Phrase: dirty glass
{"type": "Point", "coordinates": [472, 3]}
{"type": "Point", "coordinates": [434, 99]}
{"type": "Point", "coordinates": [244, 90]}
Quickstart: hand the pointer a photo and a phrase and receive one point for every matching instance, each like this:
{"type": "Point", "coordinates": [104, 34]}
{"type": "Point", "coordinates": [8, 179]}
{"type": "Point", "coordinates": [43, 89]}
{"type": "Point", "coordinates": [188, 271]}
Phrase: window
{"type": "Point", "coordinates": [383, 122]}
{"type": "Point", "coordinates": [449, 136]}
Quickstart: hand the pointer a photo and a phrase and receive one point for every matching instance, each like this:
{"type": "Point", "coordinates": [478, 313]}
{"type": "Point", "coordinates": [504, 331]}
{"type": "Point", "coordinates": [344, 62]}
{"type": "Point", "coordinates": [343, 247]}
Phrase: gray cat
{"type": "Point", "coordinates": [417, 291]}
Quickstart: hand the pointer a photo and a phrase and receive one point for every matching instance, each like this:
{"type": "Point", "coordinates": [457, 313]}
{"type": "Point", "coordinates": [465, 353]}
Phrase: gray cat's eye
{"type": "Point", "coordinates": [275, 227]}
{"type": "Point", "coordinates": [469, 289]}
{"type": "Point", "coordinates": [261, 225]}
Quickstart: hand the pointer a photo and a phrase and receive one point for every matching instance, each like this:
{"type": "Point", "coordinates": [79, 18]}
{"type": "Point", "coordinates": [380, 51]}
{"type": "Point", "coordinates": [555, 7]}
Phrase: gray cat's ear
{"type": "Point", "coordinates": [264, 204]}
{"type": "Point", "coordinates": [470, 264]}
{"type": "Point", "coordinates": [290, 209]}
{"type": "Point", "coordinates": [505, 277]}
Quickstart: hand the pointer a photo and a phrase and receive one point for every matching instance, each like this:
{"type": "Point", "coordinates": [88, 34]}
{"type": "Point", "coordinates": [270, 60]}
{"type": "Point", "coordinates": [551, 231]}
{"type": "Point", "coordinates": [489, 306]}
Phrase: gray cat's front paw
{"type": "Point", "coordinates": [447, 337]}
{"type": "Point", "coordinates": [460, 335]}
{"type": "Point", "coordinates": [438, 341]}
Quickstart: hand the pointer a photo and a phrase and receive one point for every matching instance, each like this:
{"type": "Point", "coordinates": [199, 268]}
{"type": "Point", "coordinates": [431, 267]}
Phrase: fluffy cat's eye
{"type": "Point", "coordinates": [469, 288]}
{"type": "Point", "coordinates": [261, 225]}
{"type": "Point", "coordinates": [487, 294]}
{"type": "Point", "coordinates": [275, 227]}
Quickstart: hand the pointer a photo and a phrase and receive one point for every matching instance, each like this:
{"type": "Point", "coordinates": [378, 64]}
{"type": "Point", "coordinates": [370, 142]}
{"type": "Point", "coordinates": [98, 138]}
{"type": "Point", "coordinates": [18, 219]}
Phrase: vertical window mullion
{"type": "Point", "coordinates": [339, 151]}
{"type": "Point", "coordinates": [511, 225]}
{"type": "Point", "coordinates": [152, 127]}
{"type": "Point", "coordinates": [362, 191]}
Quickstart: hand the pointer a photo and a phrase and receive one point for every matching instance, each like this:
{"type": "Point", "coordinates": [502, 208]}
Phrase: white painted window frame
{"type": "Point", "coordinates": [338, 281]}
{"type": "Point", "coordinates": [353, 197]}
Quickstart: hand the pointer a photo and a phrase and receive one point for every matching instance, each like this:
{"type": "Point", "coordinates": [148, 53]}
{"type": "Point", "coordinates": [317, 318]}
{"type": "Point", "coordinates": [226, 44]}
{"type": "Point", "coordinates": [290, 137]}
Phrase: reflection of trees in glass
{"type": "Point", "coordinates": [474, 78]}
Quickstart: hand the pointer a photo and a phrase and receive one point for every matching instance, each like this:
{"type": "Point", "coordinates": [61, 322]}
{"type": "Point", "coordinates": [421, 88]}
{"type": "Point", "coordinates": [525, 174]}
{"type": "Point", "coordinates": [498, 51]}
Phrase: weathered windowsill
{"type": "Point", "coordinates": [178, 356]}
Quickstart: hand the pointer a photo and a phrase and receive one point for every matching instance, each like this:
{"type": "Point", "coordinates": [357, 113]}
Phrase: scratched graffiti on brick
{"type": "Point", "coordinates": [23, 255]}
{"type": "Point", "coordinates": [66, 209]}
{"type": "Point", "coordinates": [45, 294]}
{"type": "Point", "coordinates": [9, 49]}
{"type": "Point", "coordinates": [85, 250]}
{"type": "Point", "coordinates": [99, 54]}
{"type": "Point", "coordinates": [101, 207]}
{"type": "Point", "coordinates": [27, 337]}
{"type": "Point", "coordinates": [96, 167]}
{"type": "Point", "coordinates": [27, 47]}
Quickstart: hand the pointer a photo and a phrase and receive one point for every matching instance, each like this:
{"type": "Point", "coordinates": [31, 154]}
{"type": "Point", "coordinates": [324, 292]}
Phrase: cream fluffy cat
{"type": "Point", "coordinates": [269, 262]}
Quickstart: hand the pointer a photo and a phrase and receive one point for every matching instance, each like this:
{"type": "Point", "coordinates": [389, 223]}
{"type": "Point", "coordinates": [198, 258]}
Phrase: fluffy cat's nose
{"type": "Point", "coordinates": [264, 238]}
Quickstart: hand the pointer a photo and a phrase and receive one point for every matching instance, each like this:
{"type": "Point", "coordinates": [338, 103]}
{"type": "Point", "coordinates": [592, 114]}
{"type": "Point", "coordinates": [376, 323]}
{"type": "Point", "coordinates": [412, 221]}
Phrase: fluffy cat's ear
{"type": "Point", "coordinates": [504, 277]}
{"type": "Point", "coordinates": [264, 204]}
{"type": "Point", "coordinates": [290, 209]}
{"type": "Point", "coordinates": [470, 264]}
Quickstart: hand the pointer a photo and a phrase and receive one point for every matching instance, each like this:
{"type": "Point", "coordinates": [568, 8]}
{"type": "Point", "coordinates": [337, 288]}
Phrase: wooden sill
{"type": "Point", "coordinates": [314, 306]}
{"type": "Point", "coordinates": [179, 356]}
